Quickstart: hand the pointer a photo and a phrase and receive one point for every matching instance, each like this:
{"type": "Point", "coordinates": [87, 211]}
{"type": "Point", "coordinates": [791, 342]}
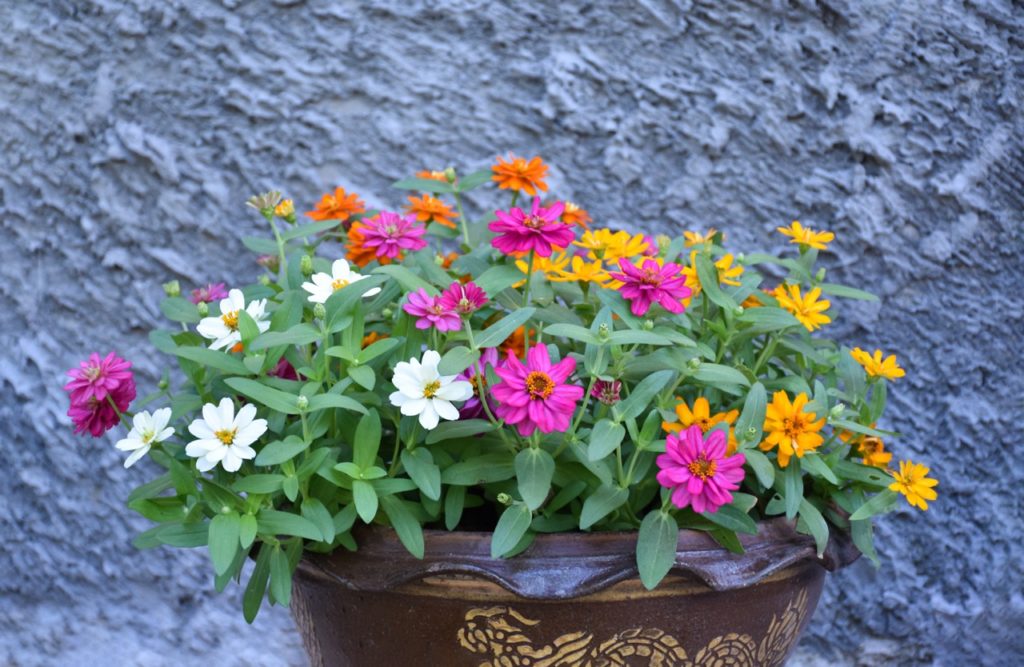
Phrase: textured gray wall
{"type": "Point", "coordinates": [132, 131]}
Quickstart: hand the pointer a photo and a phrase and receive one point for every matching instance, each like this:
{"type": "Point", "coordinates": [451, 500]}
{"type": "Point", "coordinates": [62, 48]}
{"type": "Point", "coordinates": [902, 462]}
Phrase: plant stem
{"type": "Point", "coordinates": [283, 268]}
{"type": "Point", "coordinates": [526, 302]}
{"type": "Point", "coordinates": [123, 416]}
{"type": "Point", "coordinates": [462, 221]}
{"type": "Point", "coordinates": [766, 351]}
{"type": "Point", "coordinates": [469, 334]}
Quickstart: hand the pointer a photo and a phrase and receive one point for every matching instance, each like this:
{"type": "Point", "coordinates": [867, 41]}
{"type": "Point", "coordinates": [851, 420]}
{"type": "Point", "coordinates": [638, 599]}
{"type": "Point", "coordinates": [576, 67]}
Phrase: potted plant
{"type": "Point", "coordinates": [521, 440]}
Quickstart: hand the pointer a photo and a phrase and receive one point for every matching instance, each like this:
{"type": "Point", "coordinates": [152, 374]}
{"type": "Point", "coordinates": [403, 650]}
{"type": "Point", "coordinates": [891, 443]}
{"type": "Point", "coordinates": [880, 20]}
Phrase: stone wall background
{"type": "Point", "coordinates": [132, 131]}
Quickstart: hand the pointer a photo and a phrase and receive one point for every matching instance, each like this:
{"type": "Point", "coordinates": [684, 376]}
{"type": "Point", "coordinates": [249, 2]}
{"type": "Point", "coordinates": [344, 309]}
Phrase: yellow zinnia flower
{"type": "Point", "coordinates": [806, 308]}
{"type": "Point", "coordinates": [584, 271]}
{"type": "Point", "coordinates": [611, 246]}
{"type": "Point", "coordinates": [727, 273]}
{"type": "Point", "coordinates": [876, 366]}
{"type": "Point", "coordinates": [550, 266]}
{"type": "Point", "coordinates": [913, 482]}
{"type": "Point", "coordinates": [873, 451]}
{"type": "Point", "coordinates": [806, 236]}
{"type": "Point", "coordinates": [791, 429]}
{"type": "Point", "coordinates": [696, 238]}
{"type": "Point", "coordinates": [701, 416]}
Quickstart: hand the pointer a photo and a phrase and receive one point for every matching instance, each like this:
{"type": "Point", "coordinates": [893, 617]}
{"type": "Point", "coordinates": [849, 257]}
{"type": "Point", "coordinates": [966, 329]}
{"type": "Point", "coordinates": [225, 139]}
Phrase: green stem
{"type": "Point", "coordinates": [769, 347]}
{"type": "Point", "coordinates": [283, 268]}
{"type": "Point", "coordinates": [469, 334]}
{"type": "Point", "coordinates": [526, 302]}
{"type": "Point", "coordinates": [462, 222]}
{"type": "Point", "coordinates": [123, 416]}
{"type": "Point", "coordinates": [515, 197]}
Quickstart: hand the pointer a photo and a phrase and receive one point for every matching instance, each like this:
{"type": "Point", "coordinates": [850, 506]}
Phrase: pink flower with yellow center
{"type": "Point", "coordinates": [463, 299]}
{"type": "Point", "coordinates": [698, 471]}
{"type": "Point", "coordinates": [650, 283]}
{"type": "Point", "coordinates": [540, 230]}
{"type": "Point", "coordinates": [535, 395]}
{"type": "Point", "coordinates": [431, 312]}
{"type": "Point", "coordinates": [389, 234]}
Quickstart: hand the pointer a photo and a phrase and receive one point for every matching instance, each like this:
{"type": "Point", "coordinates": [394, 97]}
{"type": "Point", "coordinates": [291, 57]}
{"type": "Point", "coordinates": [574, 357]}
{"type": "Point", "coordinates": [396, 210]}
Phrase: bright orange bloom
{"type": "Point", "coordinates": [447, 260]}
{"type": "Point", "coordinates": [752, 301]}
{"type": "Point", "coordinates": [789, 428]}
{"type": "Point", "coordinates": [339, 206]}
{"type": "Point", "coordinates": [876, 366]}
{"type": "Point", "coordinates": [873, 451]}
{"type": "Point", "coordinates": [371, 338]}
{"type": "Point", "coordinates": [913, 482]}
{"type": "Point", "coordinates": [432, 175]}
{"type": "Point", "coordinates": [516, 343]}
{"type": "Point", "coordinates": [806, 236]}
{"type": "Point", "coordinates": [701, 416]}
{"type": "Point", "coordinates": [357, 252]}
{"type": "Point", "coordinates": [519, 175]}
{"type": "Point", "coordinates": [807, 308]}
{"type": "Point", "coordinates": [574, 215]}
{"type": "Point", "coordinates": [431, 209]}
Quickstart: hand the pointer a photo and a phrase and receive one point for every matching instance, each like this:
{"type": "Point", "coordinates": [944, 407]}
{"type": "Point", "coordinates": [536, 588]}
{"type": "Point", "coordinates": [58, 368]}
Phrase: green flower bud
{"type": "Point", "coordinates": [172, 288]}
{"type": "Point", "coordinates": [319, 312]}
{"type": "Point", "coordinates": [306, 265]}
{"type": "Point", "coordinates": [449, 174]}
{"type": "Point", "coordinates": [387, 312]}
{"type": "Point", "coordinates": [820, 275]}
{"type": "Point", "coordinates": [837, 410]}
{"type": "Point", "coordinates": [504, 499]}
{"type": "Point", "coordinates": [265, 280]}
{"type": "Point", "coordinates": [301, 403]}
{"type": "Point", "coordinates": [751, 432]}
{"type": "Point", "coordinates": [693, 364]}
{"type": "Point", "coordinates": [163, 383]}
{"type": "Point", "coordinates": [648, 325]}
{"type": "Point", "coordinates": [737, 311]}
{"type": "Point", "coordinates": [203, 308]}
{"type": "Point", "coordinates": [604, 332]}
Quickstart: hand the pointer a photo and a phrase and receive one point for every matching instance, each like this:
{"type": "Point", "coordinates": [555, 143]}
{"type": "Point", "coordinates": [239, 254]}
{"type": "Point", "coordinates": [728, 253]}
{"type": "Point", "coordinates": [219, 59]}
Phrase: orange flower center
{"type": "Point", "coordinates": [533, 222]}
{"type": "Point", "coordinates": [540, 385]}
{"type": "Point", "coordinates": [702, 468]}
{"type": "Point", "coordinates": [651, 277]}
{"type": "Point", "coordinates": [227, 436]}
{"type": "Point", "coordinates": [871, 446]}
{"type": "Point", "coordinates": [230, 320]}
{"type": "Point", "coordinates": [338, 284]}
{"type": "Point", "coordinates": [705, 424]}
{"type": "Point", "coordinates": [794, 426]}
{"type": "Point", "coordinates": [479, 382]}
{"type": "Point", "coordinates": [431, 389]}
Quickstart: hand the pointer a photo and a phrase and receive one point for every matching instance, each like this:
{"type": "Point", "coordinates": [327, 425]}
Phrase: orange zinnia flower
{"type": "Point", "coordinates": [432, 175]}
{"type": "Point", "coordinates": [431, 209]}
{"type": "Point", "coordinates": [339, 206]}
{"type": "Point", "coordinates": [357, 252]}
{"type": "Point", "coordinates": [520, 175]}
{"type": "Point", "coordinates": [371, 338]}
{"type": "Point", "coordinates": [574, 215]}
{"type": "Point", "coordinates": [516, 343]}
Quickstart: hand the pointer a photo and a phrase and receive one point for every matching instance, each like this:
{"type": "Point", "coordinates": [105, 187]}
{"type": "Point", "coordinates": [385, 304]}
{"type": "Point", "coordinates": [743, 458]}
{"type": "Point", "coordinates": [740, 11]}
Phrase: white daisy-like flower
{"type": "Point", "coordinates": [147, 430]}
{"type": "Point", "coordinates": [223, 329]}
{"type": "Point", "coordinates": [425, 392]}
{"type": "Point", "coordinates": [225, 437]}
{"type": "Point", "coordinates": [326, 284]}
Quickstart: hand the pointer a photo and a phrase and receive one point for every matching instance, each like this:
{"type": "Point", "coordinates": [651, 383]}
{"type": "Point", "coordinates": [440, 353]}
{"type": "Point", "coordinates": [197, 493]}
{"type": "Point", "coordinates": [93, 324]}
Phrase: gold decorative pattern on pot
{"type": "Point", "coordinates": [502, 638]}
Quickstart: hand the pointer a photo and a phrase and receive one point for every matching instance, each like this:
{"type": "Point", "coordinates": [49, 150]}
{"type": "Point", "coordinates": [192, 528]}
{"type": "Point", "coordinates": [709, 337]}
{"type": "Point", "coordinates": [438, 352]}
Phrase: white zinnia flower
{"type": "Point", "coordinates": [223, 329]}
{"type": "Point", "coordinates": [147, 430]}
{"type": "Point", "coordinates": [423, 391]}
{"type": "Point", "coordinates": [326, 284]}
{"type": "Point", "coordinates": [225, 437]}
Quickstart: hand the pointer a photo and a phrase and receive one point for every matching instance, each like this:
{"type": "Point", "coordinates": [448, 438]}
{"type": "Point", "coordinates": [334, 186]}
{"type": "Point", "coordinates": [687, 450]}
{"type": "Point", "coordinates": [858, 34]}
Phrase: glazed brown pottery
{"type": "Point", "coordinates": [571, 599]}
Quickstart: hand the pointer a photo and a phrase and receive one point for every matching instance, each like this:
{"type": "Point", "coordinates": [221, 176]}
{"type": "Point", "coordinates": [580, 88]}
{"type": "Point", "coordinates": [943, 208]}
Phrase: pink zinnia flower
{"type": "Point", "coordinates": [476, 375]}
{"type": "Point", "coordinates": [535, 396]}
{"type": "Point", "coordinates": [390, 234]}
{"type": "Point", "coordinates": [463, 299]}
{"type": "Point", "coordinates": [93, 383]}
{"type": "Point", "coordinates": [431, 312]}
{"type": "Point", "coordinates": [540, 230]}
{"type": "Point", "coordinates": [607, 392]}
{"type": "Point", "coordinates": [209, 294]}
{"type": "Point", "coordinates": [698, 470]}
{"type": "Point", "coordinates": [284, 370]}
{"type": "Point", "coordinates": [644, 286]}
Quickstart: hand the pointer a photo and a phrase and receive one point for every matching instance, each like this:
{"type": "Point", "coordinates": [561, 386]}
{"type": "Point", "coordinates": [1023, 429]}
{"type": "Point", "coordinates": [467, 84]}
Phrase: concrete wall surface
{"type": "Point", "coordinates": [132, 131]}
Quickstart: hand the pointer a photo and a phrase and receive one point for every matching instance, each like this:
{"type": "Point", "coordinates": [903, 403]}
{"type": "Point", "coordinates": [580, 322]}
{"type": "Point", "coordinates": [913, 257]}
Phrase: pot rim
{"type": "Point", "coordinates": [569, 565]}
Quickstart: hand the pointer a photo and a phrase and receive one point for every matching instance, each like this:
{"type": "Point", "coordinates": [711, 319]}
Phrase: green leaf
{"type": "Point", "coordinates": [656, 547]}
{"type": "Point", "coordinates": [247, 527]}
{"type": "Point", "coordinates": [852, 374]}
{"type": "Point", "coordinates": [815, 524]}
{"type": "Point", "coordinates": [454, 503]}
{"type": "Point", "coordinates": [424, 185]}
{"type": "Point", "coordinates": [179, 309]}
{"type": "Point", "coordinates": [718, 376]}
{"type": "Point", "coordinates": [512, 525]}
{"type": "Point", "coordinates": [260, 245]}
{"type": "Point", "coordinates": [275, 399]}
{"type": "Point", "coordinates": [151, 489]}
{"type": "Point", "coordinates": [280, 451]}
{"type": "Point", "coordinates": [534, 469]}
{"type": "Point", "coordinates": [604, 438]}
{"type": "Point", "coordinates": [707, 273]}
{"type": "Point", "coordinates": [457, 360]}
{"type": "Point", "coordinates": [495, 335]}
{"type": "Point", "coordinates": [300, 334]}
{"type": "Point", "coordinates": [572, 332]}
{"type": "Point", "coordinates": [274, 522]}
{"type": "Point", "coordinates": [309, 229]}
{"type": "Point", "coordinates": [641, 337]}
{"type": "Point", "coordinates": [406, 278]}
{"type": "Point", "coordinates": [484, 469]}
{"type": "Point", "coordinates": [217, 359]}
{"type": "Point", "coordinates": [280, 576]}
{"type": "Point", "coordinates": [847, 292]}
{"type": "Point", "coordinates": [257, 586]}
{"type": "Point", "coordinates": [727, 539]}
{"type": "Point", "coordinates": [752, 417]}
{"type": "Point", "coordinates": [864, 539]}
{"type": "Point", "coordinates": [375, 350]}
{"type": "Point", "coordinates": [882, 502]}
{"type": "Point", "coordinates": [331, 400]}
{"type": "Point", "coordinates": [793, 484]}
{"type": "Point", "coordinates": [405, 524]}
{"type": "Point", "coordinates": [318, 515]}
{"type": "Point", "coordinates": [606, 499]}
{"type": "Point", "coordinates": [860, 428]}
{"type": "Point", "coordinates": [767, 318]}
{"type": "Point", "coordinates": [474, 180]}
{"type": "Point", "coordinates": [223, 540]}
{"type": "Point", "coordinates": [861, 473]}
{"type": "Point", "coordinates": [459, 429]}
{"type": "Point", "coordinates": [761, 466]}
{"type": "Point", "coordinates": [497, 279]}
{"type": "Point", "coordinates": [184, 535]}
{"type": "Point", "coordinates": [363, 376]}
{"type": "Point", "coordinates": [247, 327]}
{"type": "Point", "coordinates": [815, 465]}
{"type": "Point", "coordinates": [419, 463]}
{"type": "Point", "coordinates": [290, 486]}
{"type": "Point", "coordinates": [367, 439]}
{"type": "Point", "coordinates": [259, 483]}
{"type": "Point", "coordinates": [733, 518]}
{"type": "Point", "coordinates": [639, 399]}
{"type": "Point", "coordinates": [366, 500]}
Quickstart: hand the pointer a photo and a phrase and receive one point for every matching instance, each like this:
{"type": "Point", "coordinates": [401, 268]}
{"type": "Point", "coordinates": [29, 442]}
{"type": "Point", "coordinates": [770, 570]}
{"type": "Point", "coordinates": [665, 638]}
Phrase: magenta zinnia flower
{"type": "Point", "coordinates": [476, 375]}
{"type": "Point", "coordinates": [390, 234]}
{"type": "Point", "coordinates": [607, 392]}
{"type": "Point", "coordinates": [431, 312]}
{"type": "Point", "coordinates": [283, 370]}
{"type": "Point", "coordinates": [535, 396]}
{"type": "Point", "coordinates": [698, 471]}
{"type": "Point", "coordinates": [93, 383]}
{"type": "Point", "coordinates": [540, 230]}
{"type": "Point", "coordinates": [209, 294]}
{"type": "Point", "coordinates": [463, 299]}
{"type": "Point", "coordinates": [652, 283]}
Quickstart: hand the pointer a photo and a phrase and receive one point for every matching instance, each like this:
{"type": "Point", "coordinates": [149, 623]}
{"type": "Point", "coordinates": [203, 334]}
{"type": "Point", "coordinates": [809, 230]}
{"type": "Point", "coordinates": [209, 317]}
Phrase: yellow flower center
{"type": "Point", "coordinates": [230, 320]}
{"type": "Point", "coordinates": [793, 426]}
{"type": "Point", "coordinates": [540, 385]}
{"type": "Point", "coordinates": [338, 283]}
{"type": "Point", "coordinates": [479, 382]}
{"type": "Point", "coordinates": [227, 435]}
{"type": "Point", "coordinates": [533, 222]}
{"type": "Point", "coordinates": [431, 389]}
{"type": "Point", "coordinates": [651, 277]}
{"type": "Point", "coordinates": [702, 468]}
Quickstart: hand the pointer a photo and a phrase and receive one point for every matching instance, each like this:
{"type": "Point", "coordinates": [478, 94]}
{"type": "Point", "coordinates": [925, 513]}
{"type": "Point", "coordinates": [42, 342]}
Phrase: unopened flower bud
{"type": "Point", "coordinates": [203, 308]}
{"type": "Point", "coordinates": [387, 312]}
{"type": "Point", "coordinates": [306, 265]}
{"type": "Point", "coordinates": [172, 288]}
{"type": "Point", "coordinates": [740, 258]}
{"type": "Point", "coordinates": [163, 384]}
{"type": "Point", "coordinates": [301, 403]}
{"type": "Point", "coordinates": [648, 325]}
{"type": "Point", "coordinates": [737, 311]}
{"type": "Point", "coordinates": [604, 332]}
{"type": "Point", "coordinates": [693, 364]}
{"type": "Point", "coordinates": [820, 275]}
{"type": "Point", "coordinates": [270, 262]}
{"type": "Point", "coordinates": [504, 499]}
{"type": "Point", "coordinates": [439, 260]}
{"type": "Point", "coordinates": [837, 410]}
{"type": "Point", "coordinates": [265, 280]}
{"type": "Point", "coordinates": [449, 174]}
{"type": "Point", "coordinates": [319, 311]}
{"type": "Point", "coordinates": [663, 242]}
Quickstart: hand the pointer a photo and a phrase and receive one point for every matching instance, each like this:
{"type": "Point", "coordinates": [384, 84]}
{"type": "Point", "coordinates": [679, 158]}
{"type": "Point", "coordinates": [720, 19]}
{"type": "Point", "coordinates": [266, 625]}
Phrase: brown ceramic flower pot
{"type": "Point", "coordinates": [571, 599]}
